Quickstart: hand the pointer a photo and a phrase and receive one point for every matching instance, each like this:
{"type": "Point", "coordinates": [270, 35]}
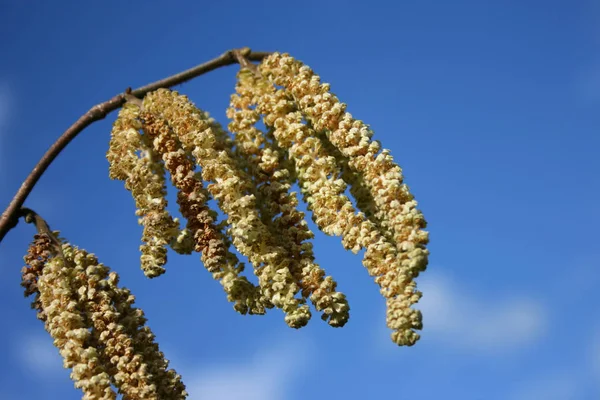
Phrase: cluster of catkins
{"type": "Point", "coordinates": [101, 336]}
{"type": "Point", "coordinates": [306, 137]}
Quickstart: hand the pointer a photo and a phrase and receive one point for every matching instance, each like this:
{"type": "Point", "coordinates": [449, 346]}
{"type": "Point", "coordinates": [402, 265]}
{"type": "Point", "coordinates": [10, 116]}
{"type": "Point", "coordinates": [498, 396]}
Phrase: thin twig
{"type": "Point", "coordinates": [10, 216]}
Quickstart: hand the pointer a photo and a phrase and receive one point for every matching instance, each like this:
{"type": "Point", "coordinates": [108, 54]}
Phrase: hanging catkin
{"type": "Point", "coordinates": [396, 206]}
{"type": "Point", "coordinates": [278, 205]}
{"type": "Point", "coordinates": [100, 335]}
{"type": "Point", "coordinates": [231, 188]}
{"type": "Point", "coordinates": [394, 264]}
{"type": "Point", "coordinates": [192, 199]}
{"type": "Point", "coordinates": [132, 159]}
{"type": "Point", "coordinates": [309, 138]}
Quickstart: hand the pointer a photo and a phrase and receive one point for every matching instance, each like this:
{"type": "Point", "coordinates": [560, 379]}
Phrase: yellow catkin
{"type": "Point", "coordinates": [278, 205]}
{"type": "Point", "coordinates": [358, 187]}
{"type": "Point", "coordinates": [132, 159]}
{"type": "Point", "coordinates": [100, 335]}
{"type": "Point", "coordinates": [192, 199]}
{"type": "Point", "coordinates": [332, 210]}
{"type": "Point", "coordinates": [128, 370]}
{"type": "Point", "coordinates": [224, 142]}
{"type": "Point", "coordinates": [231, 188]}
{"type": "Point", "coordinates": [381, 175]}
{"type": "Point", "coordinates": [140, 368]}
{"type": "Point", "coordinates": [167, 381]}
{"type": "Point", "coordinates": [65, 321]}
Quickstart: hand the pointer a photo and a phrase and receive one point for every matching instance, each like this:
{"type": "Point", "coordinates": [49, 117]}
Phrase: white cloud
{"type": "Point", "coordinates": [38, 355]}
{"type": "Point", "coordinates": [459, 317]}
{"type": "Point", "coordinates": [267, 375]}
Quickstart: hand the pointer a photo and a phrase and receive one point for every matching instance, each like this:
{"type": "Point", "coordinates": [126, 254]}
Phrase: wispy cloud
{"type": "Point", "coordinates": [37, 355]}
{"type": "Point", "coordinates": [265, 375]}
{"type": "Point", "coordinates": [456, 315]}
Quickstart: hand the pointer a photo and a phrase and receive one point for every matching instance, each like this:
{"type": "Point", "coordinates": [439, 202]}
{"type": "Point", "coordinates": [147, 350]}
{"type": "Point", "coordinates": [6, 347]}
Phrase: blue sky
{"type": "Point", "coordinates": [489, 107]}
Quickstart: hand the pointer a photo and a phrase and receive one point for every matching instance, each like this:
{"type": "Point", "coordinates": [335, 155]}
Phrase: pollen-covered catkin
{"type": "Point", "coordinates": [100, 335]}
{"type": "Point", "coordinates": [355, 181]}
{"type": "Point", "coordinates": [192, 199]}
{"type": "Point", "coordinates": [231, 187]}
{"type": "Point", "coordinates": [127, 369]}
{"type": "Point", "coordinates": [333, 212]}
{"type": "Point", "coordinates": [67, 323]}
{"type": "Point", "coordinates": [396, 206]}
{"type": "Point", "coordinates": [144, 177]}
{"type": "Point", "coordinates": [279, 206]}
{"type": "Point", "coordinates": [142, 362]}
{"type": "Point", "coordinates": [167, 381]}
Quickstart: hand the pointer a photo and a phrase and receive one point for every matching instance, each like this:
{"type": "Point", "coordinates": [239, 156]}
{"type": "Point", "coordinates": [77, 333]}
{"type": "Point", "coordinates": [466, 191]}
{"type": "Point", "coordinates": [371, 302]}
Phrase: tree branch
{"type": "Point", "coordinates": [10, 216]}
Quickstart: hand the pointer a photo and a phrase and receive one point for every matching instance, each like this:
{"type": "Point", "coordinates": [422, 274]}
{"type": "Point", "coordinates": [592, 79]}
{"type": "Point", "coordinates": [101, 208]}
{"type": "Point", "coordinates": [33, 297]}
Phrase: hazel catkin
{"type": "Point", "coordinates": [192, 198]}
{"type": "Point", "coordinates": [132, 159]}
{"type": "Point", "coordinates": [278, 206]}
{"type": "Point", "coordinates": [231, 188]}
{"type": "Point", "coordinates": [102, 338]}
{"type": "Point", "coordinates": [392, 232]}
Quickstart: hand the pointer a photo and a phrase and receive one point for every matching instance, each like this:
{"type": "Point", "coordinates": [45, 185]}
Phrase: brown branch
{"type": "Point", "coordinates": [10, 216]}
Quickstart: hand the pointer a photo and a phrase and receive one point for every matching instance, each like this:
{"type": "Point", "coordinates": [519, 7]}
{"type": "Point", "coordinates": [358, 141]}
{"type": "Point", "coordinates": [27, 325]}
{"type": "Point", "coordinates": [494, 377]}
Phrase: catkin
{"type": "Point", "coordinates": [100, 335]}
{"type": "Point", "coordinates": [192, 199]}
{"type": "Point", "coordinates": [278, 205]}
{"type": "Point", "coordinates": [232, 189]}
{"type": "Point", "coordinates": [309, 138]}
{"type": "Point", "coordinates": [144, 177]}
{"type": "Point", "coordinates": [381, 175]}
{"type": "Point", "coordinates": [66, 321]}
{"type": "Point", "coordinates": [394, 263]}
